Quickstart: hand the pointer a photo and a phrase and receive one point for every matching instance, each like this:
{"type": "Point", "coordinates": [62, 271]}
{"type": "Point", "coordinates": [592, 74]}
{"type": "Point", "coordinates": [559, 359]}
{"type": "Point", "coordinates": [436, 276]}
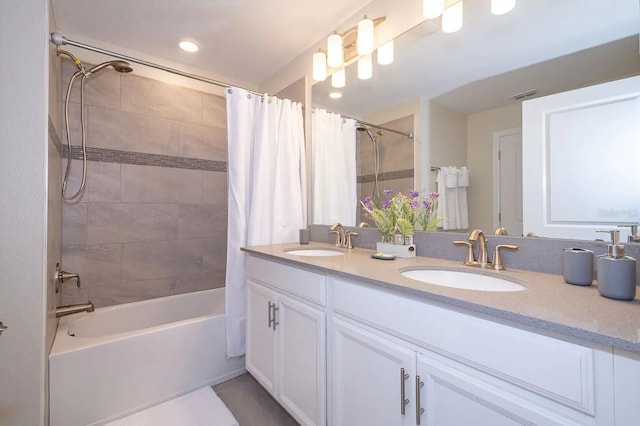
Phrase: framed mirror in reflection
{"type": "Point", "coordinates": [461, 95]}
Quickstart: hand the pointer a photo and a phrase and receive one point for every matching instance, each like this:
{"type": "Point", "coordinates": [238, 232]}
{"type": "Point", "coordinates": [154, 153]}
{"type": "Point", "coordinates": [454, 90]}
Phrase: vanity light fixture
{"type": "Point", "coordinates": [500, 7]}
{"type": "Point", "coordinates": [188, 46]}
{"type": "Point", "coordinates": [365, 36]}
{"type": "Point", "coordinates": [385, 53]}
{"type": "Point", "coordinates": [338, 78]}
{"type": "Point", "coordinates": [335, 52]}
{"type": "Point", "coordinates": [319, 66]}
{"type": "Point", "coordinates": [365, 67]}
{"type": "Point", "coordinates": [452, 18]}
{"type": "Point", "coordinates": [335, 95]}
{"type": "Point", "coordinates": [431, 9]}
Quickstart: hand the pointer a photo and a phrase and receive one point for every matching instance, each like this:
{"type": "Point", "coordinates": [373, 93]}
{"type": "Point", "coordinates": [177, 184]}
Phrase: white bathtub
{"type": "Point", "coordinates": [121, 359]}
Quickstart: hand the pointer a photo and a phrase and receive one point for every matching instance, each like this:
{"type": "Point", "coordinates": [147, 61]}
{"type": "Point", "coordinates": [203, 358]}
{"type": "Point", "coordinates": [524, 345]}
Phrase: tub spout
{"type": "Point", "coordinates": [74, 309]}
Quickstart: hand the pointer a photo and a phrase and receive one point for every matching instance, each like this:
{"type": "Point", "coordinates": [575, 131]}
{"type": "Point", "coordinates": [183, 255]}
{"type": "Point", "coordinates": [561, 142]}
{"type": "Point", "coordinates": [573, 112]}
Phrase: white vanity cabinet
{"type": "Point", "coordinates": [459, 369]}
{"type": "Point", "coordinates": [286, 337]}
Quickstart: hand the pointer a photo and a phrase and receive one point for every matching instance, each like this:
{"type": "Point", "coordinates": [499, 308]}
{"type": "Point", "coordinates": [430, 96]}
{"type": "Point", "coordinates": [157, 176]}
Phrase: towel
{"type": "Point", "coordinates": [452, 204]}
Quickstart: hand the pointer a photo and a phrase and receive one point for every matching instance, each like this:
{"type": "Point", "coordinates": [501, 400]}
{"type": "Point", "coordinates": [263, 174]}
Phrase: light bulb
{"type": "Point", "coordinates": [335, 53]}
{"type": "Point", "coordinates": [319, 66]}
{"type": "Point", "coordinates": [385, 53]}
{"type": "Point", "coordinates": [188, 46]}
{"type": "Point", "coordinates": [452, 18]}
{"type": "Point", "coordinates": [365, 68]}
{"type": "Point", "coordinates": [365, 36]}
{"type": "Point", "coordinates": [432, 8]}
{"type": "Point", "coordinates": [335, 95]}
{"type": "Point", "coordinates": [500, 7]}
{"type": "Point", "coordinates": [338, 78]}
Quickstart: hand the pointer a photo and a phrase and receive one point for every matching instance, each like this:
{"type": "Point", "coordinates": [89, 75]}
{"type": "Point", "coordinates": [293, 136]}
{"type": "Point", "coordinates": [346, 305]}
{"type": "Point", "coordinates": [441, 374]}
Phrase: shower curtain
{"type": "Point", "coordinates": [333, 147]}
{"type": "Point", "coordinates": [267, 190]}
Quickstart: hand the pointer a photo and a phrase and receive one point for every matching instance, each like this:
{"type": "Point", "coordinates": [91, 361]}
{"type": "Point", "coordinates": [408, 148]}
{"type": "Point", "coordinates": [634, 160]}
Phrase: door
{"type": "Point", "coordinates": [508, 180]}
{"type": "Point", "coordinates": [453, 395]}
{"type": "Point", "coordinates": [371, 379]}
{"type": "Point", "coordinates": [261, 340]}
{"type": "Point", "coordinates": [301, 366]}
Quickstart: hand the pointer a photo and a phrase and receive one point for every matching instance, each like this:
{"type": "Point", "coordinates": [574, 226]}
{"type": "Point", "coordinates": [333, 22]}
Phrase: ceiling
{"type": "Point", "coordinates": [240, 40]}
{"type": "Point", "coordinates": [520, 47]}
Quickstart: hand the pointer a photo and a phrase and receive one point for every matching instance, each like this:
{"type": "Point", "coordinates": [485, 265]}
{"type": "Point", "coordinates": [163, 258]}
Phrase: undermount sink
{"type": "Point", "coordinates": [315, 252]}
{"type": "Point", "coordinates": [462, 280]}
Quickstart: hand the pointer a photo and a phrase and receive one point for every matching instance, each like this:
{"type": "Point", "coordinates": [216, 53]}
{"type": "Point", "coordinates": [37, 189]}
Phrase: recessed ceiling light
{"type": "Point", "coordinates": [335, 95]}
{"type": "Point", "coordinates": [188, 46]}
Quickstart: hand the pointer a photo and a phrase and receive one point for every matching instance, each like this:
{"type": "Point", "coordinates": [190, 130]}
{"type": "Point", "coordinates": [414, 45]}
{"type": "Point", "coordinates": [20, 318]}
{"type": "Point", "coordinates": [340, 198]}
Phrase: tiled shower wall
{"type": "Point", "coordinates": [153, 219]}
{"type": "Point", "coordinates": [396, 167]}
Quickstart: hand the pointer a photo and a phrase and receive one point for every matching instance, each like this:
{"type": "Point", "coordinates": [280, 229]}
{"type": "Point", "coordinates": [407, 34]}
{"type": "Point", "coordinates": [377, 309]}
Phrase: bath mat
{"type": "Point", "coordinates": [198, 408]}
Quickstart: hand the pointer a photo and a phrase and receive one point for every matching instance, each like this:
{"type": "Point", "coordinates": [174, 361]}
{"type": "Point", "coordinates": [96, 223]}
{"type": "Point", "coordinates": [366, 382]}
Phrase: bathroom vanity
{"type": "Point", "coordinates": [347, 340]}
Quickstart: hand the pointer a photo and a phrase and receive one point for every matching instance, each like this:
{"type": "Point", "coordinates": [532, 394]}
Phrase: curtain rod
{"type": "Point", "coordinates": [59, 40]}
{"type": "Point", "coordinates": [375, 126]}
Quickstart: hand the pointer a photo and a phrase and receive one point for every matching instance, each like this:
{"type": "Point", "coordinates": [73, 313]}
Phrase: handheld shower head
{"type": "Point", "coordinates": [120, 66]}
{"type": "Point", "coordinates": [362, 128]}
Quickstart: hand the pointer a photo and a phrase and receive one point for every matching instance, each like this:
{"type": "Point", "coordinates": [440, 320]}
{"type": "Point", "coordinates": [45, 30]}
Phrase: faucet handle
{"type": "Point", "coordinates": [500, 231]}
{"type": "Point", "coordinates": [469, 259]}
{"type": "Point", "coordinates": [497, 259]}
{"type": "Point", "coordinates": [633, 238]}
{"type": "Point", "coordinates": [349, 235]}
{"type": "Point", "coordinates": [64, 275]}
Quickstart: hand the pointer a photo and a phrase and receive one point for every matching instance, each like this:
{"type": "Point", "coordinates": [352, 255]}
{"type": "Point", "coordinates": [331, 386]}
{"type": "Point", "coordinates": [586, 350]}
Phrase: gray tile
{"type": "Point", "coordinates": [146, 96]}
{"type": "Point", "coordinates": [71, 295]}
{"type": "Point", "coordinates": [202, 220]}
{"type": "Point", "coordinates": [101, 89]}
{"type": "Point", "coordinates": [215, 188]}
{"type": "Point", "coordinates": [189, 283]}
{"type": "Point", "coordinates": [214, 111]}
{"type": "Point", "coordinates": [251, 404]}
{"type": "Point", "coordinates": [74, 224]}
{"type": "Point", "coordinates": [214, 257]}
{"type": "Point", "coordinates": [116, 293]}
{"type": "Point", "coordinates": [95, 264]}
{"type": "Point", "coordinates": [161, 259]}
{"type": "Point", "coordinates": [197, 141]}
{"type": "Point", "coordinates": [149, 184]}
{"type": "Point", "coordinates": [129, 131]}
{"type": "Point", "coordinates": [131, 222]}
{"type": "Point", "coordinates": [103, 181]}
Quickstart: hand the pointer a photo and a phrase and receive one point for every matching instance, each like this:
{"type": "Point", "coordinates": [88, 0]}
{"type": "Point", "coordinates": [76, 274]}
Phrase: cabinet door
{"type": "Point", "coordinates": [300, 361]}
{"type": "Point", "coordinates": [454, 395]}
{"type": "Point", "coordinates": [260, 353]}
{"type": "Point", "coordinates": [367, 379]}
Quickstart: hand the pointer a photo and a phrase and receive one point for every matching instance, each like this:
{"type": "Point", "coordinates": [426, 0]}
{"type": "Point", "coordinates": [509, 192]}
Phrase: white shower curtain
{"type": "Point", "coordinates": [333, 142]}
{"type": "Point", "coordinates": [267, 190]}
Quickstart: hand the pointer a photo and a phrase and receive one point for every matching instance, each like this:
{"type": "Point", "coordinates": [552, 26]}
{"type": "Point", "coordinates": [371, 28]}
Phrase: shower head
{"type": "Point", "coordinates": [120, 66]}
{"type": "Point", "coordinates": [362, 128]}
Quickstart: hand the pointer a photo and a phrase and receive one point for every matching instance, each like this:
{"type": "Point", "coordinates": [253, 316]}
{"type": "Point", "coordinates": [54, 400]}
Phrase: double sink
{"type": "Point", "coordinates": [445, 277]}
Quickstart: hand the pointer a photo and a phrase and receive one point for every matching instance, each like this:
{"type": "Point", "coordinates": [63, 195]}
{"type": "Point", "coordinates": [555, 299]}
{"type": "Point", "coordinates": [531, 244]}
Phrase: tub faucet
{"type": "Point", "coordinates": [74, 309]}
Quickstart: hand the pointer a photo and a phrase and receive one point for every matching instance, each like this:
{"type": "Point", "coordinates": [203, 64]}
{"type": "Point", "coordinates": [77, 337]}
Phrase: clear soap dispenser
{"type": "Point", "coordinates": [616, 272]}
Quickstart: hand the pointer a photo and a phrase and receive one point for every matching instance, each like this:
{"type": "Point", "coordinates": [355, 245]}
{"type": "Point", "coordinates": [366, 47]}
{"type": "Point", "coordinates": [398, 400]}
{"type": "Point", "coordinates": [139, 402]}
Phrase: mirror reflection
{"type": "Point", "coordinates": [461, 95]}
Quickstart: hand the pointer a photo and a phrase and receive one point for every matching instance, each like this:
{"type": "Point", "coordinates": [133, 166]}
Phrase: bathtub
{"type": "Point", "coordinates": [121, 359]}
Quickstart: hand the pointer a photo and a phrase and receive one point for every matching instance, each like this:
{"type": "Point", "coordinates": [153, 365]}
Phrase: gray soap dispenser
{"type": "Point", "coordinates": [616, 272]}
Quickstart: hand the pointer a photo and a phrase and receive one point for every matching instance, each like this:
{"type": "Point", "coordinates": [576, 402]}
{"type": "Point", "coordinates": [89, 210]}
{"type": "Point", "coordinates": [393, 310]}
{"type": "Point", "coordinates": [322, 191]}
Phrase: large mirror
{"type": "Point", "coordinates": [456, 93]}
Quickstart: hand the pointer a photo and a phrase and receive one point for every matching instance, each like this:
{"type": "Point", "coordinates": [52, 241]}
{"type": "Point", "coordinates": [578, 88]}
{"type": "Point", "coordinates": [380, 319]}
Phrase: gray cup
{"type": "Point", "coordinates": [577, 266]}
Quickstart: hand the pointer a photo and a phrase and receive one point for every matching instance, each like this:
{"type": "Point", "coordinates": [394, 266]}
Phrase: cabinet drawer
{"type": "Point", "coordinates": [304, 284]}
{"type": "Point", "coordinates": [558, 370]}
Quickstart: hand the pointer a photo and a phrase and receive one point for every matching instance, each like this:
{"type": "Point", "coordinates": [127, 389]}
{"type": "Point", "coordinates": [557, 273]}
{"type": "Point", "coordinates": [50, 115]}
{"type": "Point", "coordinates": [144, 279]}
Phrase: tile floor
{"type": "Point", "coordinates": [250, 404]}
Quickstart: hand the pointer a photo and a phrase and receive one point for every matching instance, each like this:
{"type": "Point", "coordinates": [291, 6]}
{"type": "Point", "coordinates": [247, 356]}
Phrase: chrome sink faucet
{"type": "Point", "coordinates": [482, 260]}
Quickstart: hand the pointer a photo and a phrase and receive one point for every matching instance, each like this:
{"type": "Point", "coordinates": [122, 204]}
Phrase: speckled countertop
{"type": "Point", "coordinates": [548, 304]}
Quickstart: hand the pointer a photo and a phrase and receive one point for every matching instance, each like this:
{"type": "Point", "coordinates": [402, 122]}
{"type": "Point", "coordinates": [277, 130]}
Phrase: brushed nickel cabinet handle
{"type": "Point", "coordinates": [403, 401]}
{"type": "Point", "coordinates": [419, 410]}
{"type": "Point", "coordinates": [271, 317]}
{"type": "Point", "coordinates": [275, 321]}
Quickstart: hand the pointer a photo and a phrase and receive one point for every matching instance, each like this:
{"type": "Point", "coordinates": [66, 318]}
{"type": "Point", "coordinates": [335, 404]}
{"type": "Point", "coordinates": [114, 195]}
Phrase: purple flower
{"type": "Point", "coordinates": [427, 203]}
{"type": "Point", "coordinates": [434, 195]}
{"type": "Point", "coordinates": [387, 192]}
{"type": "Point", "coordinates": [413, 204]}
{"type": "Point", "coordinates": [387, 204]}
{"type": "Point", "coordinates": [413, 193]}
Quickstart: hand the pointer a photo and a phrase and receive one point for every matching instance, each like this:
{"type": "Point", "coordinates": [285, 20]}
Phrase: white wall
{"type": "Point", "coordinates": [480, 129]}
{"type": "Point", "coordinates": [447, 139]}
{"type": "Point", "coordinates": [23, 210]}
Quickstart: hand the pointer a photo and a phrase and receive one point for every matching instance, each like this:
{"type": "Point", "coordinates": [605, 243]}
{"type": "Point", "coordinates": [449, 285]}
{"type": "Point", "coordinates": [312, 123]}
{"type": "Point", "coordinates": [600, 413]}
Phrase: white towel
{"type": "Point", "coordinates": [452, 204]}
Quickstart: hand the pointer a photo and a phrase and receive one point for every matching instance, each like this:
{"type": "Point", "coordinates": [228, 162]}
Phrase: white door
{"type": "Point", "coordinates": [261, 340]}
{"type": "Point", "coordinates": [455, 395]}
{"type": "Point", "coordinates": [508, 178]}
{"type": "Point", "coordinates": [369, 375]}
{"type": "Point", "coordinates": [300, 360]}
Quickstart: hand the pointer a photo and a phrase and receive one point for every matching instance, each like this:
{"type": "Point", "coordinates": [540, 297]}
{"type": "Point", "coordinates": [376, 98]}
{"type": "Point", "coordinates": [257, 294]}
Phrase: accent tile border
{"type": "Point", "coordinates": [398, 174]}
{"type": "Point", "coordinates": [144, 159]}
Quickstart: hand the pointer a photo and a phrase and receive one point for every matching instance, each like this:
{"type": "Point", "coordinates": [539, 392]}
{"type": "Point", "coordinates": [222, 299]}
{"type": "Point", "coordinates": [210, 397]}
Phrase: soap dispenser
{"type": "Point", "coordinates": [616, 272]}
